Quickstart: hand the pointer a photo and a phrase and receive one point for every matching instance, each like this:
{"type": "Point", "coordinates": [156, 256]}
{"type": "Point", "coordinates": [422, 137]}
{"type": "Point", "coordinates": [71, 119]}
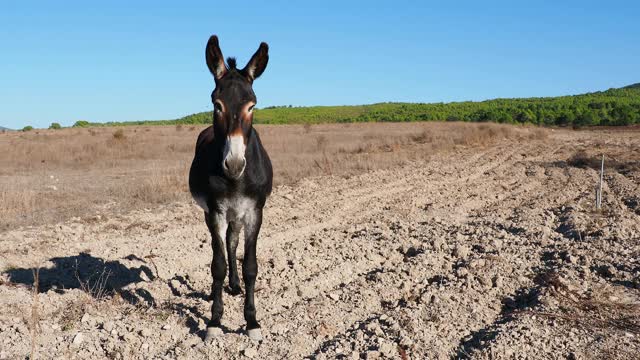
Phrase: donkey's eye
{"type": "Point", "coordinates": [217, 106]}
{"type": "Point", "coordinates": [250, 109]}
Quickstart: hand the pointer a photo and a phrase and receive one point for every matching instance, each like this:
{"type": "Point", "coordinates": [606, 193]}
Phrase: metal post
{"type": "Point", "coordinates": [599, 192]}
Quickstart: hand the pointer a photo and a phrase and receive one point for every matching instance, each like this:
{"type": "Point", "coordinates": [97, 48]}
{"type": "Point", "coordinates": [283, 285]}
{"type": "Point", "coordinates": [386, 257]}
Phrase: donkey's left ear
{"type": "Point", "coordinates": [258, 63]}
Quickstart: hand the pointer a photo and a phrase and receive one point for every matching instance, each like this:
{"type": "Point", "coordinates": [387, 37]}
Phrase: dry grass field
{"type": "Point", "coordinates": [49, 176]}
{"type": "Point", "coordinates": [380, 241]}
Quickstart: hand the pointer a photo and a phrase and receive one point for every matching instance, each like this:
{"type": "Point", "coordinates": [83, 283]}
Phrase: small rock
{"type": "Point", "coordinates": [166, 327]}
{"type": "Point", "coordinates": [85, 318]}
{"type": "Point", "coordinates": [334, 296]}
{"type": "Point", "coordinates": [279, 329]}
{"type": "Point", "coordinates": [497, 281]}
{"type": "Point", "coordinates": [461, 251]}
{"type": "Point", "coordinates": [175, 284]}
{"type": "Point", "coordinates": [406, 341]}
{"type": "Point", "coordinates": [485, 280]}
{"type": "Point", "coordinates": [250, 353]}
{"type": "Point", "coordinates": [145, 333]}
{"type": "Point", "coordinates": [373, 354]}
{"type": "Point", "coordinates": [213, 332]}
{"type": "Point", "coordinates": [108, 326]}
{"type": "Point", "coordinates": [78, 339]}
{"type": "Point", "coordinates": [388, 349]}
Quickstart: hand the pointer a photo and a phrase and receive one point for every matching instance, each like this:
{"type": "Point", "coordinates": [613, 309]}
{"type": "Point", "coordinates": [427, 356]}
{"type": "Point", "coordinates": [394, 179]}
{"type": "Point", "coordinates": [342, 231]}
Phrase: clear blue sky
{"type": "Point", "coordinates": [62, 61]}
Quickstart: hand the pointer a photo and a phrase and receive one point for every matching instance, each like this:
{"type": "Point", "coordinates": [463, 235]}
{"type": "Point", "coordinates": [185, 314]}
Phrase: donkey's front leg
{"type": "Point", "coordinates": [250, 271]}
{"type": "Point", "coordinates": [218, 227]}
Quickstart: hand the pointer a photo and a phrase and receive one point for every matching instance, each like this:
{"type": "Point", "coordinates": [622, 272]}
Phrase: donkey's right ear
{"type": "Point", "coordinates": [215, 60]}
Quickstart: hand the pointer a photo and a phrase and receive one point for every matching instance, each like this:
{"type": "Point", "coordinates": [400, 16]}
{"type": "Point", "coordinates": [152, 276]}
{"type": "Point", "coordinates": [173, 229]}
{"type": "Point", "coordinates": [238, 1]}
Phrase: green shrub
{"type": "Point", "coordinates": [27, 128]}
{"type": "Point", "coordinates": [81, 123]}
{"type": "Point", "coordinates": [55, 126]}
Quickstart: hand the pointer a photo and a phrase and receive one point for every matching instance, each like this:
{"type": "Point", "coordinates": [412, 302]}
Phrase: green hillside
{"type": "Point", "coordinates": [611, 107]}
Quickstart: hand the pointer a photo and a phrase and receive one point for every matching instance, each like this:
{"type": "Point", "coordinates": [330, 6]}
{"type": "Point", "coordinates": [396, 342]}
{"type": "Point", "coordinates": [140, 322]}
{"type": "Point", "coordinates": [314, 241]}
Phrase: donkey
{"type": "Point", "coordinates": [231, 178]}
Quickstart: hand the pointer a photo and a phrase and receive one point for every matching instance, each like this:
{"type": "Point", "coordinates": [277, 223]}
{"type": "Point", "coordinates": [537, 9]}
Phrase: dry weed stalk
{"type": "Point", "coordinates": [98, 289]}
{"type": "Point", "coordinates": [324, 165]}
{"type": "Point", "coordinates": [589, 313]}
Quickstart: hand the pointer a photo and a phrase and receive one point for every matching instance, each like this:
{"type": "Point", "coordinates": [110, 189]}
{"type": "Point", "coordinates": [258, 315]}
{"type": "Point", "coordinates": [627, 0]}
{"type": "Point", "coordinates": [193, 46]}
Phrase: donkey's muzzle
{"type": "Point", "coordinates": [234, 167]}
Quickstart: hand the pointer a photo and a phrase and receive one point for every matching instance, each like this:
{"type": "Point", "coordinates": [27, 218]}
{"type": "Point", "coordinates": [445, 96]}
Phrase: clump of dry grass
{"type": "Point", "coordinates": [580, 159]}
{"type": "Point", "coordinates": [159, 188]}
{"type": "Point", "coordinates": [15, 201]}
{"type": "Point", "coordinates": [619, 159]}
{"type": "Point", "coordinates": [589, 312]}
{"type": "Point", "coordinates": [96, 286]}
{"type": "Point", "coordinates": [119, 134]}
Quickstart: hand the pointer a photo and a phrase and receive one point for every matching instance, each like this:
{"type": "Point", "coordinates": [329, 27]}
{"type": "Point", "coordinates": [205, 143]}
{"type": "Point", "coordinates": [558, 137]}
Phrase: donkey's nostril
{"type": "Point", "coordinates": [234, 167]}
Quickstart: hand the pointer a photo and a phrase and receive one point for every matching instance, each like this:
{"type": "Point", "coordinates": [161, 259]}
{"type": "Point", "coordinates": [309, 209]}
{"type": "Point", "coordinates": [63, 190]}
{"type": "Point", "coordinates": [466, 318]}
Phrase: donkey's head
{"type": "Point", "coordinates": [233, 101]}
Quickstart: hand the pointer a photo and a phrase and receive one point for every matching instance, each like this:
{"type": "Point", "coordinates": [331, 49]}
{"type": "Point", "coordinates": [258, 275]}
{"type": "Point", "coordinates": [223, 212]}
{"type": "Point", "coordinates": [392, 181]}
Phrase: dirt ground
{"type": "Point", "coordinates": [483, 252]}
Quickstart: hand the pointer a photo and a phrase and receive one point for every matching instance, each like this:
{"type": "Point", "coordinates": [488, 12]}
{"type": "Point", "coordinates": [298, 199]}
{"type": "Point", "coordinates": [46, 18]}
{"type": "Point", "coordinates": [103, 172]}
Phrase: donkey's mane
{"type": "Point", "coordinates": [231, 63]}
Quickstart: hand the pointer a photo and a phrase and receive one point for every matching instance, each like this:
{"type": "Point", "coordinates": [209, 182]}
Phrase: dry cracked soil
{"type": "Point", "coordinates": [491, 252]}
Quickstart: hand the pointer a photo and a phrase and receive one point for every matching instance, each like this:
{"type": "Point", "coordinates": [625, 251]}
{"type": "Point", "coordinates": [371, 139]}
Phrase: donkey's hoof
{"type": "Point", "coordinates": [255, 334]}
{"type": "Point", "coordinates": [234, 290]}
{"type": "Point", "coordinates": [212, 333]}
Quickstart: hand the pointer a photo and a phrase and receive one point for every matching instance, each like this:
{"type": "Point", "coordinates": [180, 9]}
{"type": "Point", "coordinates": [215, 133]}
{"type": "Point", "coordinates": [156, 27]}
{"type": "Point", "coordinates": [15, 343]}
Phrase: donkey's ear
{"type": "Point", "coordinates": [258, 62]}
{"type": "Point", "coordinates": [215, 60]}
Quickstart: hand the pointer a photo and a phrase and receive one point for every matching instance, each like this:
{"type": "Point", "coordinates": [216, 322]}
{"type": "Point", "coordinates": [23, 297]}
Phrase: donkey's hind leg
{"type": "Point", "coordinates": [218, 227]}
{"type": "Point", "coordinates": [250, 272]}
{"type": "Point", "coordinates": [233, 233]}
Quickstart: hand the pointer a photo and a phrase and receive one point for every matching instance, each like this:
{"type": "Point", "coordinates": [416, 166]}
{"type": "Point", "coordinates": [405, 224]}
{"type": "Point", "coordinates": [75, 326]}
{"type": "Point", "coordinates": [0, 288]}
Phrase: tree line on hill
{"type": "Point", "coordinates": [613, 107]}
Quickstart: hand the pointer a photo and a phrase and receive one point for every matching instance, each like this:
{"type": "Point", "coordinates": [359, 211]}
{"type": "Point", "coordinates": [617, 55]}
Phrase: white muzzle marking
{"type": "Point", "coordinates": [234, 160]}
